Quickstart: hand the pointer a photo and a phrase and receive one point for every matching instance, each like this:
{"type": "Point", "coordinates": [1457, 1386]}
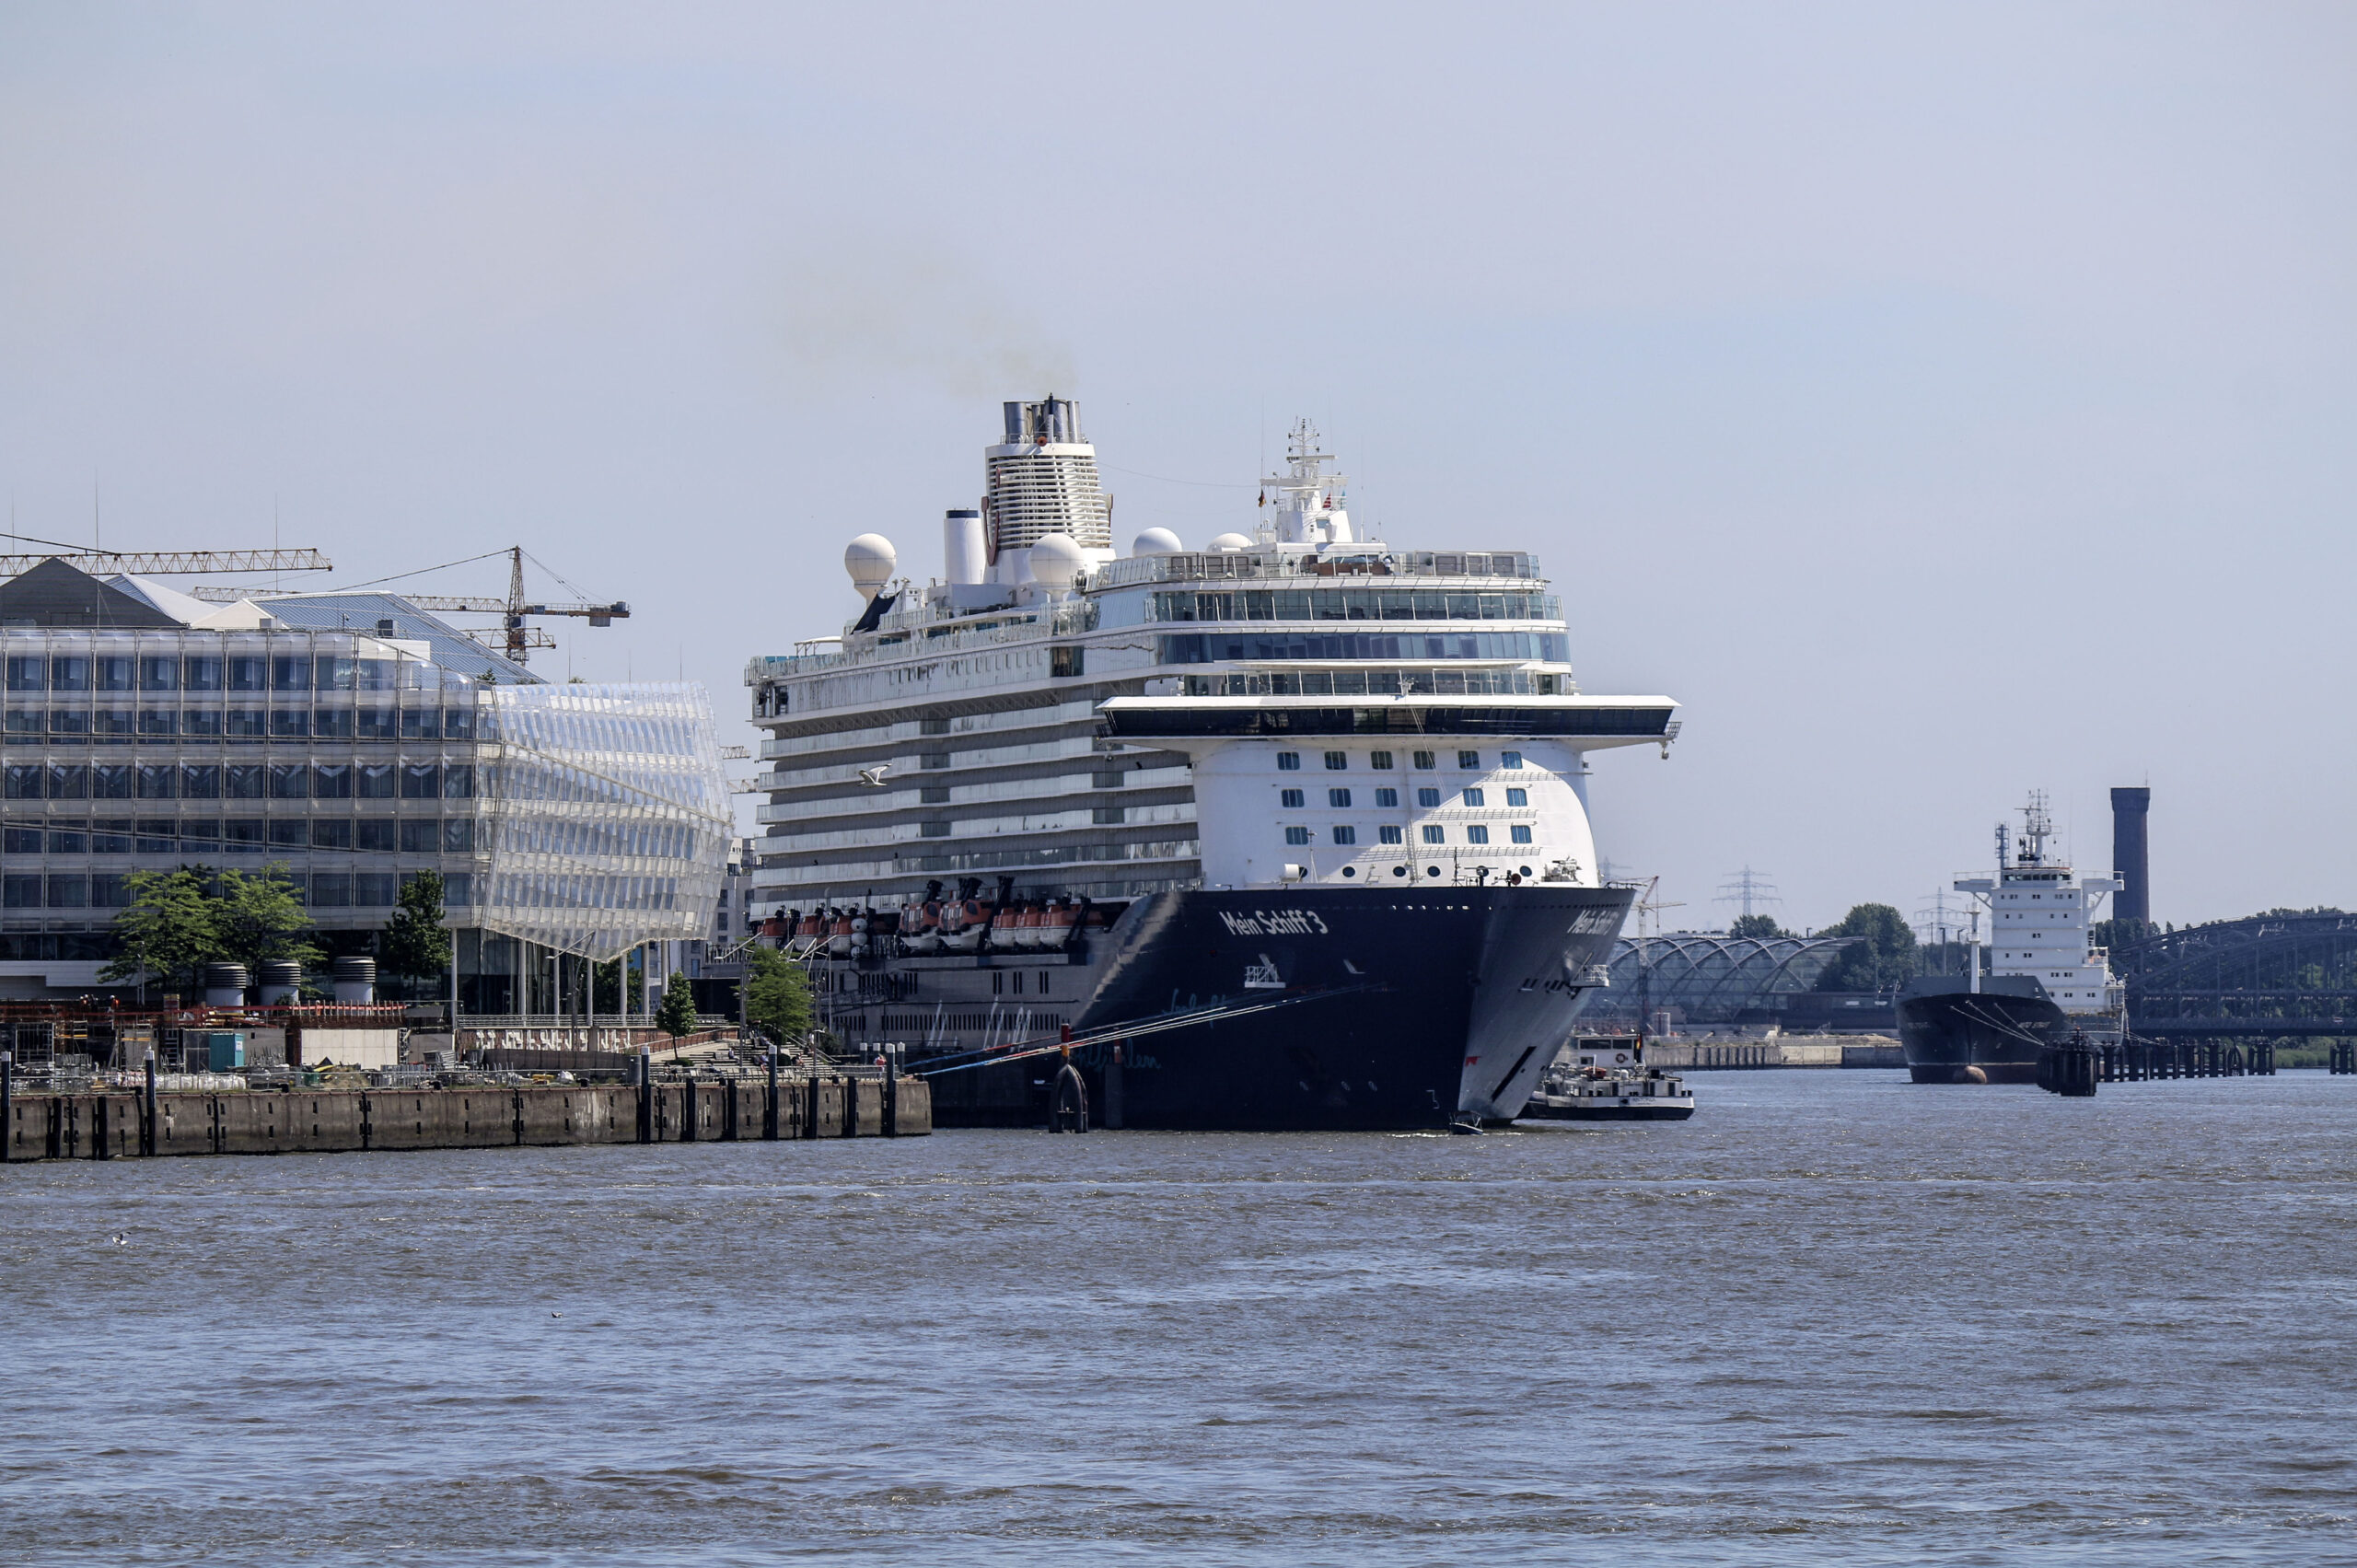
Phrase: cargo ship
{"type": "Point", "coordinates": [2042, 983]}
{"type": "Point", "coordinates": [1287, 831]}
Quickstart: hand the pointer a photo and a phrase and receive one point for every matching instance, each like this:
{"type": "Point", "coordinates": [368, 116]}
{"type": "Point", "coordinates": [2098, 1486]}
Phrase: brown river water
{"type": "Point", "coordinates": [1836, 1318]}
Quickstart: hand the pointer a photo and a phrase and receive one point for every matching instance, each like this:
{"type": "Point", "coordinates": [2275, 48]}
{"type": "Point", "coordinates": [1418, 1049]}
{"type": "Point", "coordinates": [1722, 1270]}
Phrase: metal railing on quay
{"type": "Point", "coordinates": [579, 1021]}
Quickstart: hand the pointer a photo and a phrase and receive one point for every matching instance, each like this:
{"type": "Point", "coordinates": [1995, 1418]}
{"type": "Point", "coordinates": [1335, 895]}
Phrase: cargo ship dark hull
{"type": "Point", "coordinates": [1339, 1009]}
{"type": "Point", "coordinates": [1948, 1030]}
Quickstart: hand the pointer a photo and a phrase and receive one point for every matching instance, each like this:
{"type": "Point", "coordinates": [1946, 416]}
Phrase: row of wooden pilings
{"type": "Point", "coordinates": [2075, 1067]}
{"type": "Point", "coordinates": [112, 1124]}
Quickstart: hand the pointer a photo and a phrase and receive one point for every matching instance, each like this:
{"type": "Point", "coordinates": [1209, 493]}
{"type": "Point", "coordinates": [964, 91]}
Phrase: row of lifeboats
{"type": "Point", "coordinates": [931, 924]}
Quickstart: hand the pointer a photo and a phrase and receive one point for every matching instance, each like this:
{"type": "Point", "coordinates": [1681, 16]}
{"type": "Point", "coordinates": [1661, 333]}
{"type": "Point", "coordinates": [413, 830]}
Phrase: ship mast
{"type": "Point", "coordinates": [2037, 827]}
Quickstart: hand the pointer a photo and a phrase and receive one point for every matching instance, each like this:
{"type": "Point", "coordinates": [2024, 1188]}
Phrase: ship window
{"type": "Point", "coordinates": [1337, 798]}
{"type": "Point", "coordinates": [1296, 835]}
{"type": "Point", "coordinates": [1291, 799]}
{"type": "Point", "coordinates": [1432, 835]}
{"type": "Point", "coordinates": [1288, 762]}
{"type": "Point", "coordinates": [1509, 759]}
{"type": "Point", "coordinates": [1477, 834]}
{"type": "Point", "coordinates": [1387, 799]}
{"type": "Point", "coordinates": [1389, 834]}
{"type": "Point", "coordinates": [998, 983]}
{"type": "Point", "coordinates": [1469, 759]}
{"type": "Point", "coordinates": [1345, 834]}
{"type": "Point", "coordinates": [1517, 798]}
{"type": "Point", "coordinates": [1520, 833]}
{"type": "Point", "coordinates": [1474, 797]}
{"type": "Point", "coordinates": [1428, 797]}
{"type": "Point", "coordinates": [1337, 760]}
{"type": "Point", "coordinates": [1379, 761]}
{"type": "Point", "coordinates": [1426, 759]}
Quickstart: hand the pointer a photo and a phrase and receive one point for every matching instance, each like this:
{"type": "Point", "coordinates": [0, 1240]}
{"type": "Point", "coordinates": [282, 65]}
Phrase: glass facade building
{"type": "Point", "coordinates": [585, 819]}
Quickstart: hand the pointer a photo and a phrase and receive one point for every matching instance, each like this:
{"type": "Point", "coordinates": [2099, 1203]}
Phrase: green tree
{"type": "Point", "coordinates": [1761, 926]}
{"type": "Point", "coordinates": [777, 995]}
{"type": "Point", "coordinates": [677, 1016]}
{"type": "Point", "coordinates": [414, 945]}
{"type": "Point", "coordinates": [2120, 932]}
{"type": "Point", "coordinates": [607, 978]}
{"type": "Point", "coordinates": [165, 931]}
{"type": "Point", "coordinates": [257, 917]}
{"type": "Point", "coordinates": [1883, 957]}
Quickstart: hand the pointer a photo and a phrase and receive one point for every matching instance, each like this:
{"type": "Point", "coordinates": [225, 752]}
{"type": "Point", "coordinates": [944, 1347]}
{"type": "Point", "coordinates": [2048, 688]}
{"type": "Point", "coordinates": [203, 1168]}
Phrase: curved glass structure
{"type": "Point", "coordinates": [608, 813]}
{"type": "Point", "coordinates": [349, 743]}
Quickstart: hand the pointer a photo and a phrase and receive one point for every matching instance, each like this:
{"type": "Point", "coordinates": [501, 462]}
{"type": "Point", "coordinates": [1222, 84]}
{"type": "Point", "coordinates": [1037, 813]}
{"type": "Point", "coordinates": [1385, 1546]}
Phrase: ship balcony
{"type": "Point", "coordinates": [1272, 562]}
{"type": "Point", "coordinates": [978, 822]}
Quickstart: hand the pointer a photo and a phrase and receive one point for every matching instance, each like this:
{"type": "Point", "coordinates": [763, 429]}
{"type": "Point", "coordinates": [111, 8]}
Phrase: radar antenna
{"type": "Point", "coordinates": [2037, 827]}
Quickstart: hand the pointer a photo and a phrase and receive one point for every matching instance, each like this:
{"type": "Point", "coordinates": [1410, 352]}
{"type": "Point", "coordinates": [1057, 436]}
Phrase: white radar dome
{"type": "Point", "coordinates": [1057, 561]}
{"type": "Point", "coordinates": [1155, 541]}
{"type": "Point", "coordinates": [870, 559]}
{"type": "Point", "coordinates": [1228, 543]}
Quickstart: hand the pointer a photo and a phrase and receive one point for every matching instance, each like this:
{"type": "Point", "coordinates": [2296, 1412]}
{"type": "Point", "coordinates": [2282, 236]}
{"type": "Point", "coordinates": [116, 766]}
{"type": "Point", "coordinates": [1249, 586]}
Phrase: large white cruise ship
{"type": "Point", "coordinates": [1288, 831]}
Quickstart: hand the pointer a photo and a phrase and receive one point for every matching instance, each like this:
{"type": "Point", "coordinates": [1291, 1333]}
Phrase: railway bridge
{"type": "Point", "coordinates": [2287, 973]}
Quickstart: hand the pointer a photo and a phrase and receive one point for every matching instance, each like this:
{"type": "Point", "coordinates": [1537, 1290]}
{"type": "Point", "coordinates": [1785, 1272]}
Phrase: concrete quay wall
{"type": "Point", "coordinates": [1824, 1050]}
{"type": "Point", "coordinates": [113, 1125]}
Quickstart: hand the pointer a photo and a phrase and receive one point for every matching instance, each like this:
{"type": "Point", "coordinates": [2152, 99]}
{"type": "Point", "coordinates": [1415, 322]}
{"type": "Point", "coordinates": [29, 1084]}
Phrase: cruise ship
{"type": "Point", "coordinates": [1288, 831]}
{"type": "Point", "coordinates": [2042, 984]}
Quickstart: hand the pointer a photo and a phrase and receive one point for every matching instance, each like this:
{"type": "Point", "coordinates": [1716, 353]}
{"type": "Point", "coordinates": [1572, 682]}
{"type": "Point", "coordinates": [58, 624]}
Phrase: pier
{"type": "Point", "coordinates": [2075, 1069]}
{"type": "Point", "coordinates": [148, 1122]}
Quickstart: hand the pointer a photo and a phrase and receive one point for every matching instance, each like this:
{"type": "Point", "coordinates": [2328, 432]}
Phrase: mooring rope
{"type": "Point", "coordinates": [1023, 1050]}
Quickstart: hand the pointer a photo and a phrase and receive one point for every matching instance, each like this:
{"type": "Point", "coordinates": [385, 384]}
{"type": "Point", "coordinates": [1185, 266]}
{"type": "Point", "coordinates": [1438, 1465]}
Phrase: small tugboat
{"type": "Point", "coordinates": [1604, 1080]}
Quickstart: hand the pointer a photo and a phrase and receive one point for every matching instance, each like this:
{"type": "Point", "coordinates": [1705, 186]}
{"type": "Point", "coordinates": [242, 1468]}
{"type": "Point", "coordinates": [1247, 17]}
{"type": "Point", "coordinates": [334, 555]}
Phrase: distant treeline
{"type": "Point", "coordinates": [1888, 955]}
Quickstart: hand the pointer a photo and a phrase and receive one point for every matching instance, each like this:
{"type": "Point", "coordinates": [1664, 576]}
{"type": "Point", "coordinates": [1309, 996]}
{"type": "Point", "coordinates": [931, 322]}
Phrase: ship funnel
{"type": "Point", "coordinates": [2130, 808]}
{"type": "Point", "coordinates": [964, 555]}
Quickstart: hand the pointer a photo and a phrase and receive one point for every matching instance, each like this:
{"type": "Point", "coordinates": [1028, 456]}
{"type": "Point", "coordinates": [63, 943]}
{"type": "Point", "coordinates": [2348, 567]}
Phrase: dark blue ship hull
{"type": "Point", "coordinates": [1339, 1009]}
{"type": "Point", "coordinates": [1951, 1032]}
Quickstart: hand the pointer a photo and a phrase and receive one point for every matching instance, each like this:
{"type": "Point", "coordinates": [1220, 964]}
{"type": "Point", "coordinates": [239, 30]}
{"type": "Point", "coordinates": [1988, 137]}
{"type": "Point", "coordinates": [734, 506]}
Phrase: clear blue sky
{"type": "Point", "coordinates": [1940, 400]}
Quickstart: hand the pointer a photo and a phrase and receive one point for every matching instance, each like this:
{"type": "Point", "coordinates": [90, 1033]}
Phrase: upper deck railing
{"type": "Point", "coordinates": [918, 628]}
{"type": "Point", "coordinates": [1261, 566]}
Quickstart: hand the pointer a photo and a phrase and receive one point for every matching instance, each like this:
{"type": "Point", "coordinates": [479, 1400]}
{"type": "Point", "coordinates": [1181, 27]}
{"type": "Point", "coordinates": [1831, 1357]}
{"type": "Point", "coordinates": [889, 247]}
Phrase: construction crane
{"type": "Point", "coordinates": [516, 607]}
{"type": "Point", "coordinates": [172, 562]}
{"type": "Point", "coordinates": [513, 637]}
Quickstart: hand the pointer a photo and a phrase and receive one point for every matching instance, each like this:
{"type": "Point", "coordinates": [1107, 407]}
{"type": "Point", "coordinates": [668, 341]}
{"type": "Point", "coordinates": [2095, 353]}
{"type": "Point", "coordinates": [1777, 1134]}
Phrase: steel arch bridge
{"type": "Point", "coordinates": [2285, 973]}
{"type": "Point", "coordinates": [1709, 977]}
